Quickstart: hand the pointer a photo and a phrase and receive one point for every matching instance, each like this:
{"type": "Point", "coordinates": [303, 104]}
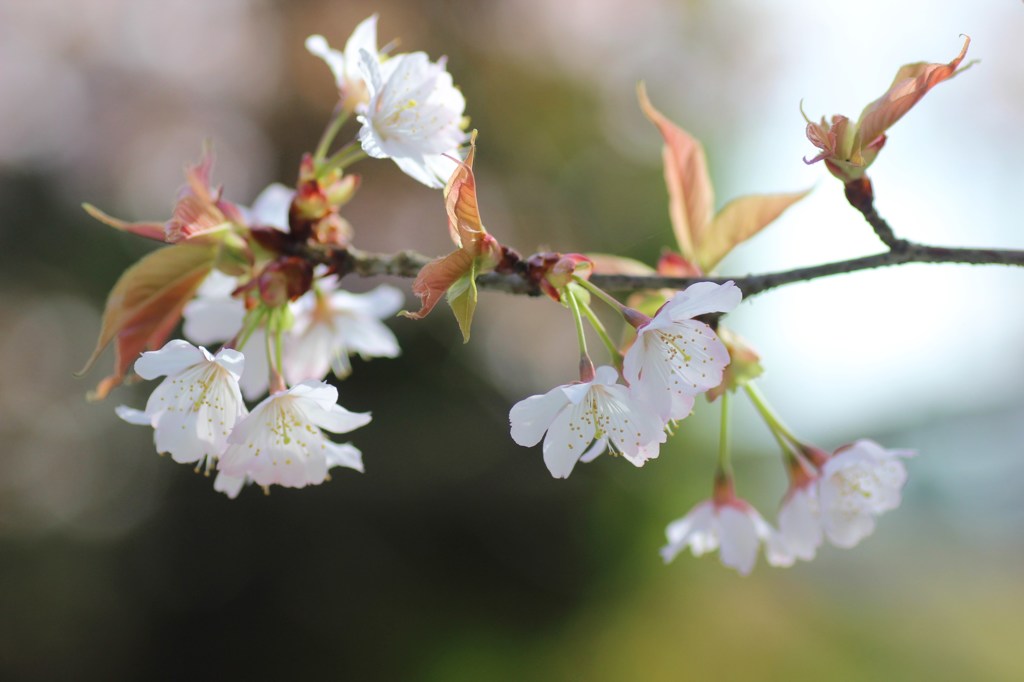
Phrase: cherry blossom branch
{"type": "Point", "coordinates": [409, 263]}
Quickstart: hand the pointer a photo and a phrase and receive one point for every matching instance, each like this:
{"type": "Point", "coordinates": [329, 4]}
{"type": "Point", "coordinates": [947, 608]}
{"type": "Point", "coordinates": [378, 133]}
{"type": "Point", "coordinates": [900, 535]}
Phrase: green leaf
{"type": "Point", "coordinates": [462, 295]}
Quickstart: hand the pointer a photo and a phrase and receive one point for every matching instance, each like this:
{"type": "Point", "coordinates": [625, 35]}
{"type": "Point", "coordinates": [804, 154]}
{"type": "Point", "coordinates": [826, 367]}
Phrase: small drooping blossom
{"type": "Point", "coordinates": [414, 115]}
{"type": "Point", "coordinates": [730, 525]}
{"type": "Point", "coordinates": [800, 514]}
{"type": "Point", "coordinates": [856, 485]}
{"type": "Point", "coordinates": [675, 357]}
{"type": "Point", "coordinates": [345, 65]}
{"type": "Point", "coordinates": [281, 441]}
{"type": "Point", "coordinates": [582, 419]}
{"type": "Point", "coordinates": [194, 409]}
{"type": "Point", "coordinates": [332, 324]}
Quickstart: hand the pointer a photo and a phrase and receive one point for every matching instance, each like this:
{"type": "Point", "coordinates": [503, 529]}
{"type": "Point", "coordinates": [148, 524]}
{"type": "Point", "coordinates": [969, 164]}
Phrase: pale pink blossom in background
{"type": "Point", "coordinates": [800, 520]}
{"type": "Point", "coordinates": [331, 324]}
{"type": "Point", "coordinates": [857, 484]}
{"type": "Point", "coordinates": [734, 528]}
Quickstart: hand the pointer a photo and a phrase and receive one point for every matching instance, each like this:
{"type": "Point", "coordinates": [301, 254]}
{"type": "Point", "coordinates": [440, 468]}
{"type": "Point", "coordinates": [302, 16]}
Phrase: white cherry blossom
{"type": "Point", "coordinates": [194, 409]}
{"type": "Point", "coordinates": [675, 357]}
{"type": "Point", "coordinates": [214, 316]}
{"type": "Point", "coordinates": [733, 527]}
{"type": "Point", "coordinates": [281, 441]}
{"type": "Point", "coordinates": [345, 65]}
{"type": "Point", "coordinates": [414, 115]}
{"type": "Point", "coordinates": [332, 324]}
{"type": "Point", "coordinates": [800, 520]}
{"type": "Point", "coordinates": [582, 419]}
{"type": "Point", "coordinates": [856, 485]}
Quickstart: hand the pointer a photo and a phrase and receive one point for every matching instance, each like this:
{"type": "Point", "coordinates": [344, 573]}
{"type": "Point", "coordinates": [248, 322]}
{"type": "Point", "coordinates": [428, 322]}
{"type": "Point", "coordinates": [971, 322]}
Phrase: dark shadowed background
{"type": "Point", "coordinates": [456, 556]}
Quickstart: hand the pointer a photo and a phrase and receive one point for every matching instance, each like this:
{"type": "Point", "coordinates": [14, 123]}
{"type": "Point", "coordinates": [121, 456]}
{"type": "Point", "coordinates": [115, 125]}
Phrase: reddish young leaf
{"type": "Point", "coordinates": [738, 221]}
{"type": "Point", "coordinates": [912, 82]}
{"type": "Point", "coordinates": [847, 149]}
{"type": "Point", "coordinates": [691, 197]}
{"type": "Point", "coordinates": [464, 223]}
{"type": "Point", "coordinates": [434, 279]}
{"type": "Point", "coordinates": [478, 252]}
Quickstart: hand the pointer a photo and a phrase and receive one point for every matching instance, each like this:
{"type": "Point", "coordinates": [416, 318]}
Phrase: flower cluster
{"type": "Point", "coordinates": [266, 283]}
{"type": "Point", "coordinates": [838, 498]}
{"type": "Point", "coordinates": [409, 108]}
{"type": "Point", "coordinates": [198, 415]}
{"type": "Point", "coordinates": [673, 359]}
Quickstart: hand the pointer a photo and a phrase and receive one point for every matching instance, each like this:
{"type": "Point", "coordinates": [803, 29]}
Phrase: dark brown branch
{"type": "Point", "coordinates": [514, 279]}
{"type": "Point", "coordinates": [408, 264]}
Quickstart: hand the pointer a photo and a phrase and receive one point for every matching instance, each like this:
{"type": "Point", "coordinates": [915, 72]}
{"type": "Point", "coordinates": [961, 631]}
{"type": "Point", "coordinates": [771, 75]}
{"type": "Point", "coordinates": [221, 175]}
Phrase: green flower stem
{"type": "Point", "coordinates": [342, 158]}
{"type": "Point", "coordinates": [330, 132]}
{"type": "Point", "coordinates": [724, 444]}
{"type": "Point", "coordinates": [600, 293]}
{"type": "Point", "coordinates": [253, 319]}
{"type": "Point", "coordinates": [766, 412]}
{"type": "Point", "coordinates": [575, 307]}
{"type": "Point", "coordinates": [595, 322]}
{"type": "Point", "coordinates": [785, 438]}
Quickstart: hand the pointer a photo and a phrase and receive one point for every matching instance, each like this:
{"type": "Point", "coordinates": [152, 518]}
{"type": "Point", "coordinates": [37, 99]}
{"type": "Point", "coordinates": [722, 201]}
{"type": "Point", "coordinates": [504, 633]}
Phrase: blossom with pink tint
{"type": "Point", "coordinates": [583, 418]}
{"type": "Point", "coordinates": [282, 440]}
{"type": "Point", "coordinates": [800, 520]}
{"type": "Point", "coordinates": [332, 324]}
{"type": "Point", "coordinates": [856, 485]}
{"type": "Point", "coordinates": [676, 357]}
{"type": "Point", "coordinates": [345, 65]}
{"type": "Point", "coordinates": [414, 115]}
{"type": "Point", "coordinates": [730, 525]}
{"type": "Point", "coordinates": [195, 409]}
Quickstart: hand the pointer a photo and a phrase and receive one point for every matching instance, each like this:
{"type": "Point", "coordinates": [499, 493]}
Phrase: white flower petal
{"type": "Point", "coordinates": [272, 206]}
{"type": "Point", "coordinates": [599, 446]}
{"type": "Point", "coordinates": [739, 539]}
{"type": "Point", "coordinates": [229, 485]}
{"type": "Point", "coordinates": [697, 530]}
{"type": "Point", "coordinates": [363, 39]}
{"type": "Point", "coordinates": [567, 440]}
{"type": "Point", "coordinates": [336, 418]}
{"type": "Point", "coordinates": [317, 46]}
{"type": "Point", "coordinates": [173, 358]}
{"type": "Point", "coordinates": [702, 298]}
{"type": "Point", "coordinates": [344, 455]}
{"type": "Point", "coordinates": [530, 418]}
{"type": "Point", "coordinates": [133, 416]}
{"type": "Point", "coordinates": [800, 522]}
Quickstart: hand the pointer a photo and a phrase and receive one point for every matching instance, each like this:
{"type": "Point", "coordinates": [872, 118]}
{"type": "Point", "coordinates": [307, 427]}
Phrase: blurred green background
{"type": "Point", "coordinates": [456, 556]}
